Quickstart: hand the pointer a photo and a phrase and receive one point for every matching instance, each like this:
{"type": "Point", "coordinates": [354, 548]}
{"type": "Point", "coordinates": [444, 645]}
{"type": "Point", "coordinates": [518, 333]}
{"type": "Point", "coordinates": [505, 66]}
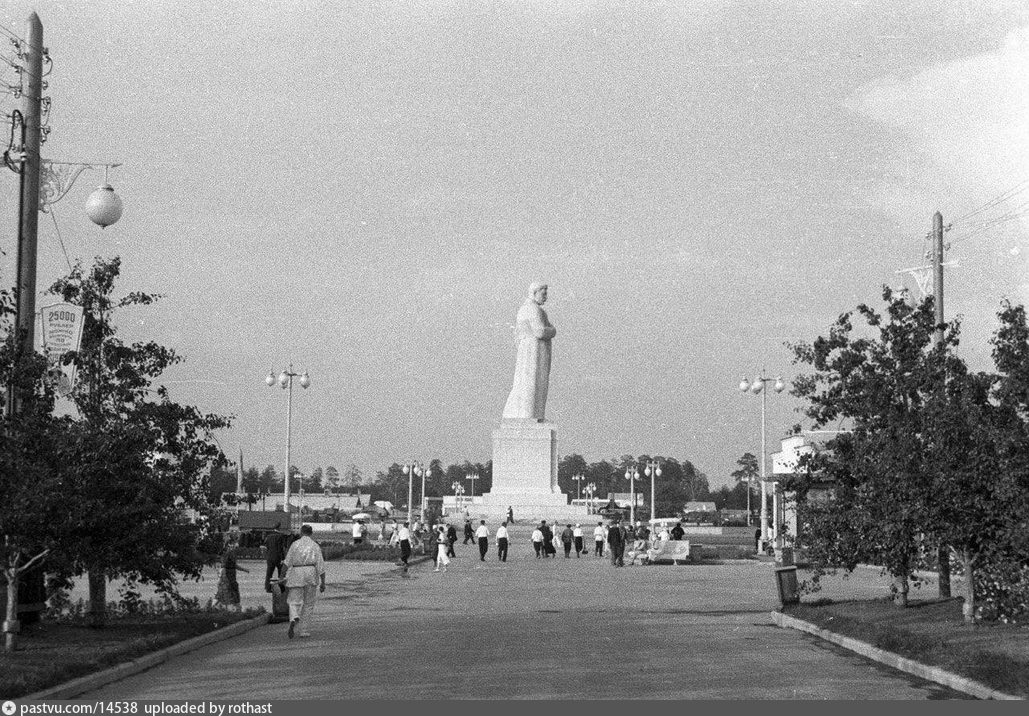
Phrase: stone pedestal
{"type": "Point", "coordinates": [525, 474]}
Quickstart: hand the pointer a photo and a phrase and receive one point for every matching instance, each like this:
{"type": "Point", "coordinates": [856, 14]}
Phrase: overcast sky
{"type": "Point", "coordinates": [366, 189]}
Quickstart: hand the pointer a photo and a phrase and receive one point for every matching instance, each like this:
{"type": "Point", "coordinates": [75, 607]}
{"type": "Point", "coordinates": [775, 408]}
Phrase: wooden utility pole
{"type": "Point", "coordinates": [943, 556]}
{"type": "Point", "coordinates": [28, 221]}
{"type": "Point", "coordinates": [18, 577]}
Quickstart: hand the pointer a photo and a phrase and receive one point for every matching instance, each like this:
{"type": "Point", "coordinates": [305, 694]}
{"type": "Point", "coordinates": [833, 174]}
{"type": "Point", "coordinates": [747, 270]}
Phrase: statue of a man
{"type": "Point", "coordinates": [528, 398]}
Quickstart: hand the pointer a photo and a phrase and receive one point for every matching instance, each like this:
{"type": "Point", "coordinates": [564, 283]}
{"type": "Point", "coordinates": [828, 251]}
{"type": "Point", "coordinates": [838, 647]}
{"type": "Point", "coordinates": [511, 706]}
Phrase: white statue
{"type": "Point", "coordinates": [528, 398]}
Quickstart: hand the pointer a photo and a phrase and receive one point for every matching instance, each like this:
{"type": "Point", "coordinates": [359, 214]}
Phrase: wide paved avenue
{"type": "Point", "coordinates": [544, 629]}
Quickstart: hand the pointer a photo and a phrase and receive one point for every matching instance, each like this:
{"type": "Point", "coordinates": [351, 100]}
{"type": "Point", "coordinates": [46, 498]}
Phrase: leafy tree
{"type": "Point", "coordinates": [251, 481]}
{"type": "Point", "coordinates": [33, 518]}
{"type": "Point", "coordinates": [748, 472]}
{"type": "Point", "coordinates": [269, 480]}
{"type": "Point", "coordinates": [568, 467]}
{"type": "Point", "coordinates": [137, 459]}
{"type": "Point", "coordinates": [332, 478]}
{"type": "Point", "coordinates": [316, 481]}
{"type": "Point", "coordinates": [222, 480]}
{"type": "Point", "coordinates": [391, 485]}
{"type": "Point", "coordinates": [879, 382]}
{"type": "Point", "coordinates": [352, 478]}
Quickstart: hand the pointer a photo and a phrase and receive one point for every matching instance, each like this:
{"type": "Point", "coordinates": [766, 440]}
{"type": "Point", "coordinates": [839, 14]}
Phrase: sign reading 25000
{"type": "Point", "coordinates": [61, 333]}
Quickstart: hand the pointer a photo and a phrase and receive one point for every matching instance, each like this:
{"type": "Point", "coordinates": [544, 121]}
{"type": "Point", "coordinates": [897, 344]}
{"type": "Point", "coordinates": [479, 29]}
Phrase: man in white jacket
{"type": "Point", "coordinates": [305, 578]}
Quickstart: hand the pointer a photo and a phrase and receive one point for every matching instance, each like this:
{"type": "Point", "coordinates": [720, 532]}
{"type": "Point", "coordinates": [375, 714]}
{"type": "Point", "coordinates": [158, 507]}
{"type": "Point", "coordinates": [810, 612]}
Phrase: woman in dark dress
{"type": "Point", "coordinates": [227, 595]}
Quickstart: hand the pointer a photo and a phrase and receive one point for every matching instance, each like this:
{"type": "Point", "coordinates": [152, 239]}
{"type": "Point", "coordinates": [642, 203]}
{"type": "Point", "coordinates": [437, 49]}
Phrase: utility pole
{"type": "Point", "coordinates": [28, 221]}
{"type": "Point", "coordinates": [28, 199]}
{"type": "Point", "coordinates": [25, 290]}
{"type": "Point", "coordinates": [943, 555]}
{"type": "Point", "coordinates": [938, 274]}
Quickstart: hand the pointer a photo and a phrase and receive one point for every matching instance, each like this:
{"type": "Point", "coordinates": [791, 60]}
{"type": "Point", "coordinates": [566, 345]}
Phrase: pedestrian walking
{"type": "Point", "coordinates": [548, 539]}
{"type": "Point", "coordinates": [358, 531]}
{"type": "Point", "coordinates": [469, 532]}
{"type": "Point", "coordinates": [510, 515]}
{"type": "Point", "coordinates": [305, 578]}
{"type": "Point", "coordinates": [451, 540]}
{"type": "Point", "coordinates": [577, 536]}
{"type": "Point", "coordinates": [227, 595]}
{"type": "Point", "coordinates": [442, 560]}
{"type": "Point", "coordinates": [403, 537]}
{"type": "Point", "coordinates": [274, 551]}
{"type": "Point", "coordinates": [482, 537]}
{"type": "Point", "coordinates": [599, 538]}
{"type": "Point", "coordinates": [616, 542]}
{"type": "Point", "coordinates": [566, 540]}
{"type": "Point", "coordinates": [537, 542]}
{"type": "Point", "coordinates": [502, 542]}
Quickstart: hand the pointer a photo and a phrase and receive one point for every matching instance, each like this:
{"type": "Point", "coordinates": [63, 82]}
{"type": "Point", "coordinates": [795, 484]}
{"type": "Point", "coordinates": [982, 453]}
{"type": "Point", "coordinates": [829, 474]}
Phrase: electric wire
{"type": "Point", "coordinates": [14, 37]}
{"type": "Point", "coordinates": [999, 199]}
{"type": "Point", "coordinates": [59, 239]}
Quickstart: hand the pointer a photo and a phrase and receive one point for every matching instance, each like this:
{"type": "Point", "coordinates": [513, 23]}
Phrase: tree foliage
{"type": "Point", "coordinates": [932, 455]}
{"type": "Point", "coordinates": [137, 461]}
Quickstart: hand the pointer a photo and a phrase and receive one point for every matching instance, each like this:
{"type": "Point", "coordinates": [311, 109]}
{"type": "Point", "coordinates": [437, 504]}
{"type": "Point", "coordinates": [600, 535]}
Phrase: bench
{"type": "Point", "coordinates": [676, 552]}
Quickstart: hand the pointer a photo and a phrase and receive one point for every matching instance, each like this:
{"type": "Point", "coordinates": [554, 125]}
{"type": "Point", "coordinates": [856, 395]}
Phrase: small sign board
{"type": "Point", "coordinates": [61, 333]}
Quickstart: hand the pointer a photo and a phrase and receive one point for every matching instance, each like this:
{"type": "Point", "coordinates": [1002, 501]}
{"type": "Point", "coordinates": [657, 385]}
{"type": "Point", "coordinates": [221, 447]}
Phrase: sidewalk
{"type": "Point", "coordinates": [556, 628]}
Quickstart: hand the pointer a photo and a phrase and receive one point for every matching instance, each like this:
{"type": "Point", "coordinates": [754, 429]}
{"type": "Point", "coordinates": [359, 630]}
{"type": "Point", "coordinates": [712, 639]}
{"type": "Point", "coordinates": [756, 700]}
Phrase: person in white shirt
{"type": "Point", "coordinates": [664, 535]}
{"type": "Point", "coordinates": [502, 542]}
{"type": "Point", "coordinates": [305, 578]}
{"type": "Point", "coordinates": [599, 538]}
{"type": "Point", "coordinates": [537, 542]}
{"type": "Point", "coordinates": [577, 536]}
{"type": "Point", "coordinates": [482, 537]}
{"type": "Point", "coordinates": [358, 532]}
{"type": "Point", "coordinates": [442, 560]}
{"type": "Point", "coordinates": [403, 538]}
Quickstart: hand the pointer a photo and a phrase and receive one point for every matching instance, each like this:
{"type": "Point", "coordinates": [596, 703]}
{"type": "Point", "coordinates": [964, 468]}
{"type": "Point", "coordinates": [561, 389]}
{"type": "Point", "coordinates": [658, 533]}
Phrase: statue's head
{"type": "Point", "coordinates": [538, 292]}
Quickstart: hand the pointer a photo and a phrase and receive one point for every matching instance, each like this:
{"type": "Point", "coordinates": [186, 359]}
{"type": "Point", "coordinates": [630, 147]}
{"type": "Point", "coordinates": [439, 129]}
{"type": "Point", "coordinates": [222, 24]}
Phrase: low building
{"type": "Point", "coordinates": [784, 463]}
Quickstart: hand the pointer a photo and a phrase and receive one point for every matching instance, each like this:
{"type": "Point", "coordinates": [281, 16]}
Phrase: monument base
{"type": "Point", "coordinates": [525, 475]}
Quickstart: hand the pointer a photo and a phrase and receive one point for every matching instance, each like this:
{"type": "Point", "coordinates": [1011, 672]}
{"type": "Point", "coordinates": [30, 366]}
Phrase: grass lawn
{"type": "Point", "coordinates": [932, 632]}
{"type": "Point", "coordinates": [53, 653]}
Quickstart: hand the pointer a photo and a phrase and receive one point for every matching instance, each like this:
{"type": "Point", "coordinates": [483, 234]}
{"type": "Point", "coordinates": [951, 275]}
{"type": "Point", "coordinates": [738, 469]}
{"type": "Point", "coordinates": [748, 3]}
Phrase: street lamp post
{"type": "Point", "coordinates": [285, 380]}
{"type": "Point", "coordinates": [590, 489]}
{"type": "Point", "coordinates": [758, 388]}
{"type": "Point", "coordinates": [632, 474]}
{"type": "Point", "coordinates": [458, 489]}
{"type": "Point", "coordinates": [653, 470]}
{"type": "Point", "coordinates": [411, 469]}
{"type": "Point", "coordinates": [578, 485]}
{"type": "Point", "coordinates": [424, 472]}
{"type": "Point", "coordinates": [473, 478]}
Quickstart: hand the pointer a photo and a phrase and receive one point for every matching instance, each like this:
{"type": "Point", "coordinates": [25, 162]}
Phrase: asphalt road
{"type": "Point", "coordinates": [538, 629]}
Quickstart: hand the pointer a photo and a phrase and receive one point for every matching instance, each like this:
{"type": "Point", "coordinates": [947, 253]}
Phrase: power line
{"type": "Point", "coordinates": [60, 240]}
{"type": "Point", "coordinates": [999, 199]}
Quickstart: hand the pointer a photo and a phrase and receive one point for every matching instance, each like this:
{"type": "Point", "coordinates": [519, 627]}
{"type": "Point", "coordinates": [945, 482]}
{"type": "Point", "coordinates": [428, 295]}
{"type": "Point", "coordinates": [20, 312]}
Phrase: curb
{"type": "Point", "coordinates": [82, 684]}
{"type": "Point", "coordinates": [929, 673]}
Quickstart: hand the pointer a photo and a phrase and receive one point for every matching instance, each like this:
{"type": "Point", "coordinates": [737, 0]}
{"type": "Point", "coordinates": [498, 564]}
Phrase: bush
{"type": "Point", "coordinates": [1002, 592]}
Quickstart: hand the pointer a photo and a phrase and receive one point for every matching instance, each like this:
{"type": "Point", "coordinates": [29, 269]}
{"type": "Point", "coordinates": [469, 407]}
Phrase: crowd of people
{"type": "Point", "coordinates": [618, 540]}
{"type": "Point", "coordinates": [299, 566]}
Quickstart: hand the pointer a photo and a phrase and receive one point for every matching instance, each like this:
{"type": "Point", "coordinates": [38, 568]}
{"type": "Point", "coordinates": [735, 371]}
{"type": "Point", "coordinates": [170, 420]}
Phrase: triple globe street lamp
{"type": "Point", "coordinates": [458, 489]}
{"type": "Point", "coordinates": [653, 470]}
{"type": "Point", "coordinates": [413, 469]}
{"type": "Point", "coordinates": [285, 381]}
{"type": "Point", "coordinates": [758, 388]}
{"type": "Point", "coordinates": [578, 485]}
{"type": "Point", "coordinates": [632, 474]}
{"type": "Point", "coordinates": [590, 489]}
